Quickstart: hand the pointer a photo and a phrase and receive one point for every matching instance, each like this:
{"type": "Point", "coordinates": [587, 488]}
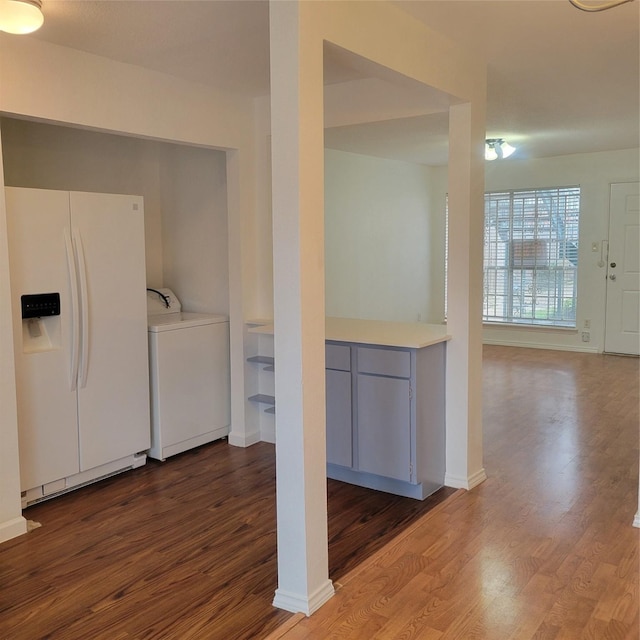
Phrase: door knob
{"type": "Point", "coordinates": [612, 276]}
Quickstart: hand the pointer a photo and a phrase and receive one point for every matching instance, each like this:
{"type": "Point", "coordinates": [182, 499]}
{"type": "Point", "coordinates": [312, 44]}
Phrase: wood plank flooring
{"type": "Point", "coordinates": [544, 549]}
{"type": "Point", "coordinates": [185, 550]}
{"type": "Point", "coordinates": [178, 550]}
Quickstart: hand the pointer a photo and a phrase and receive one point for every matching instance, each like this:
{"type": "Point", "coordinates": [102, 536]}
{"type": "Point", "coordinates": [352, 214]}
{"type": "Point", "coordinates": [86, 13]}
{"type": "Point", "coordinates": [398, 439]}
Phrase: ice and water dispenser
{"type": "Point", "coordinates": [40, 321]}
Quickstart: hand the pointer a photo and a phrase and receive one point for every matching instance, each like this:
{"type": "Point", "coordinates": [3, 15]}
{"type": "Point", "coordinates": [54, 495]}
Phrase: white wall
{"type": "Point", "coordinates": [361, 191]}
{"type": "Point", "coordinates": [44, 156]}
{"type": "Point", "coordinates": [194, 227]}
{"type": "Point", "coordinates": [263, 247]}
{"type": "Point", "coordinates": [593, 172]}
{"type": "Point", "coordinates": [379, 234]}
{"type": "Point", "coordinates": [184, 190]}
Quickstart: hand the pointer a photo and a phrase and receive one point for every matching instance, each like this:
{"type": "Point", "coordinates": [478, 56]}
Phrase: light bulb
{"type": "Point", "coordinates": [490, 152]}
{"type": "Point", "coordinates": [507, 149]}
{"type": "Point", "coordinates": [20, 16]}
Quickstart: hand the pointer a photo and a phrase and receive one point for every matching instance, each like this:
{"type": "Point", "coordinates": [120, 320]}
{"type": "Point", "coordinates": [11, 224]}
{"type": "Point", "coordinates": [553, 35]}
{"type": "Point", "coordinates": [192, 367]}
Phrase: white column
{"type": "Point", "coordinates": [11, 521]}
{"type": "Point", "coordinates": [239, 174]}
{"type": "Point", "coordinates": [464, 307]}
{"type": "Point", "coordinates": [298, 263]}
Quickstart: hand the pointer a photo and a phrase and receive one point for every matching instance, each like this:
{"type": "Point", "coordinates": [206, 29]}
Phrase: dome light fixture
{"type": "Point", "coordinates": [20, 16]}
{"type": "Point", "coordinates": [598, 6]}
{"type": "Point", "coordinates": [495, 148]}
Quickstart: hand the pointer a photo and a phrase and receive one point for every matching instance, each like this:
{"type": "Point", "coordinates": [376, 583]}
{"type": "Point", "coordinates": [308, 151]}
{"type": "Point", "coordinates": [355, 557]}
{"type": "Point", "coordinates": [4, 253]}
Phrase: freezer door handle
{"type": "Point", "coordinates": [84, 309]}
{"type": "Point", "coordinates": [75, 312]}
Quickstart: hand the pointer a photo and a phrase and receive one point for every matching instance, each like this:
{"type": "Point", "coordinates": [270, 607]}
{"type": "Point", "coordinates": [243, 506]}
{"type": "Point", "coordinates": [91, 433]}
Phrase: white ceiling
{"type": "Point", "coordinates": [560, 80]}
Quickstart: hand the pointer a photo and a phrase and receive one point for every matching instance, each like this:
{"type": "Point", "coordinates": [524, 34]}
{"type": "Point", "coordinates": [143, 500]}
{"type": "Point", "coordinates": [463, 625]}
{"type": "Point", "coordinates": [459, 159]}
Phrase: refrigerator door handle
{"type": "Point", "coordinates": [84, 309]}
{"type": "Point", "coordinates": [75, 312]}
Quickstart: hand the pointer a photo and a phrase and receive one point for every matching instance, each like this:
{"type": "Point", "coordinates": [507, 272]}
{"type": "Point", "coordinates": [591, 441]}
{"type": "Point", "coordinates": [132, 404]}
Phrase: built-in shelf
{"type": "Point", "coordinates": [264, 363]}
{"type": "Point", "coordinates": [257, 322]}
{"type": "Point", "coordinates": [264, 398]}
{"type": "Point", "coordinates": [266, 360]}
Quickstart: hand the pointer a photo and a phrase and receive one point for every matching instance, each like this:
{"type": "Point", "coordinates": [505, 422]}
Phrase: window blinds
{"type": "Point", "coordinates": [531, 256]}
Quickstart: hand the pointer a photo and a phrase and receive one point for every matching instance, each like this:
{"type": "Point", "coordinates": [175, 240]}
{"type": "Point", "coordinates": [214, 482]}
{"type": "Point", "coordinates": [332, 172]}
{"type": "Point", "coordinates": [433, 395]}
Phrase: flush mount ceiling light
{"type": "Point", "coordinates": [597, 6]}
{"type": "Point", "coordinates": [20, 16]}
{"type": "Point", "coordinates": [495, 148]}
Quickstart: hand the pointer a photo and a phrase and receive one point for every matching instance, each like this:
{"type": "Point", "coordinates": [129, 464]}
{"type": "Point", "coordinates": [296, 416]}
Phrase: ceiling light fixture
{"type": "Point", "coordinates": [600, 6]}
{"type": "Point", "coordinates": [20, 16]}
{"type": "Point", "coordinates": [495, 148]}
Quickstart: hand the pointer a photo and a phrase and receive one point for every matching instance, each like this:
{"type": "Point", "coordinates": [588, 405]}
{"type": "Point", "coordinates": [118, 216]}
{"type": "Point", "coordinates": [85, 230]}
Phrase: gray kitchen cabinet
{"type": "Point", "coordinates": [339, 425]}
{"type": "Point", "coordinates": [385, 417]}
{"type": "Point", "coordinates": [339, 405]}
{"type": "Point", "coordinates": [384, 426]}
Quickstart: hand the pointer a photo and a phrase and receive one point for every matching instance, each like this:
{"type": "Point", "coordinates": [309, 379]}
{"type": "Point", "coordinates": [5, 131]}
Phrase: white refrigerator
{"type": "Point", "coordinates": [78, 288]}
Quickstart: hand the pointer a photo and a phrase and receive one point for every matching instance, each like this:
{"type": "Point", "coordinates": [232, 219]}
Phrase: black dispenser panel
{"type": "Point", "coordinates": [38, 305]}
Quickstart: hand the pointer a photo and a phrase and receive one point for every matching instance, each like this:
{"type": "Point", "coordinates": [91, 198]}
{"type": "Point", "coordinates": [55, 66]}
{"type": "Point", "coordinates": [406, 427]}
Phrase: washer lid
{"type": "Point", "coordinates": [181, 320]}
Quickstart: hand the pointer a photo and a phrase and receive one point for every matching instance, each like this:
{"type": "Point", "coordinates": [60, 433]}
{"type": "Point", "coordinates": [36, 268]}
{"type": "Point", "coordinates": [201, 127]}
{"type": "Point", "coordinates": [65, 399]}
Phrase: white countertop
{"type": "Point", "coordinates": [413, 335]}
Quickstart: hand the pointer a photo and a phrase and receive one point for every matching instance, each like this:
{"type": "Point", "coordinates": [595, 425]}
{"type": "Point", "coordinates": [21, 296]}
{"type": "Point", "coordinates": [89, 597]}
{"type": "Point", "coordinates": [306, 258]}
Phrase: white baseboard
{"type": "Point", "coordinates": [12, 528]}
{"type": "Point", "coordinates": [298, 603]}
{"type": "Point", "coordinates": [636, 520]}
{"type": "Point", "coordinates": [243, 440]}
{"type": "Point", "coordinates": [539, 345]}
{"type": "Point", "coordinates": [477, 478]}
{"type": "Point", "coordinates": [465, 482]}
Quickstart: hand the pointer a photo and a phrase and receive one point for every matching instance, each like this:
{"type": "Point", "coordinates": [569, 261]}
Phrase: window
{"type": "Point", "coordinates": [531, 256]}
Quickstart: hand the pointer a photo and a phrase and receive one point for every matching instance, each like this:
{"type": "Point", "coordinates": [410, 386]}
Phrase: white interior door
{"type": "Point", "coordinates": [622, 330]}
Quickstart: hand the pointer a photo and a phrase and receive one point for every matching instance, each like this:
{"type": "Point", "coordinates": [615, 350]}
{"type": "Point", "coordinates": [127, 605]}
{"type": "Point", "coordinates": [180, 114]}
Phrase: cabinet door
{"type": "Point", "coordinates": [339, 429]}
{"type": "Point", "coordinates": [384, 426]}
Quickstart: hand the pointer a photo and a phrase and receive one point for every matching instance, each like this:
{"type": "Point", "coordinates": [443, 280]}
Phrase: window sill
{"type": "Point", "coordinates": [528, 327]}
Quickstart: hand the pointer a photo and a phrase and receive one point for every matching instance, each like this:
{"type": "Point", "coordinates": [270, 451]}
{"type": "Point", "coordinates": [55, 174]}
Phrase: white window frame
{"type": "Point", "coordinates": [531, 256]}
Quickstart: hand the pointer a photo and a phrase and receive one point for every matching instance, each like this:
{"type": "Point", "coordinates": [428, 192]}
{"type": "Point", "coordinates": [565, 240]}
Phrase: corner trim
{"type": "Point", "coordinates": [296, 603]}
{"type": "Point", "coordinates": [12, 528]}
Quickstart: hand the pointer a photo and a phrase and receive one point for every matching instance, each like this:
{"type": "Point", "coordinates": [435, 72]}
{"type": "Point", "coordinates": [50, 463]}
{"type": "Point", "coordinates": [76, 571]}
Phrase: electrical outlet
{"type": "Point", "coordinates": [586, 336]}
{"type": "Point", "coordinates": [587, 324]}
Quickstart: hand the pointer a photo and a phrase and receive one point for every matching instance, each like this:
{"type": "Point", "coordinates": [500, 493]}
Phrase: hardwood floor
{"type": "Point", "coordinates": [544, 549]}
{"type": "Point", "coordinates": [185, 550]}
{"type": "Point", "coordinates": [179, 550]}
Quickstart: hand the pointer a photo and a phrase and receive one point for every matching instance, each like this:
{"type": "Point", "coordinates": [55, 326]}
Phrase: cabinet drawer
{"type": "Point", "coordinates": [337, 356]}
{"type": "Point", "coordinates": [384, 362]}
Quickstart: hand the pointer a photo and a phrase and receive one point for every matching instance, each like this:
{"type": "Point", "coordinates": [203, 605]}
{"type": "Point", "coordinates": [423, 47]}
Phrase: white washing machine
{"type": "Point", "coordinates": [189, 375]}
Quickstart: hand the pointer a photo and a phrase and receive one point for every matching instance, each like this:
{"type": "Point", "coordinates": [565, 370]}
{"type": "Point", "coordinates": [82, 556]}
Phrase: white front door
{"type": "Point", "coordinates": [622, 329]}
